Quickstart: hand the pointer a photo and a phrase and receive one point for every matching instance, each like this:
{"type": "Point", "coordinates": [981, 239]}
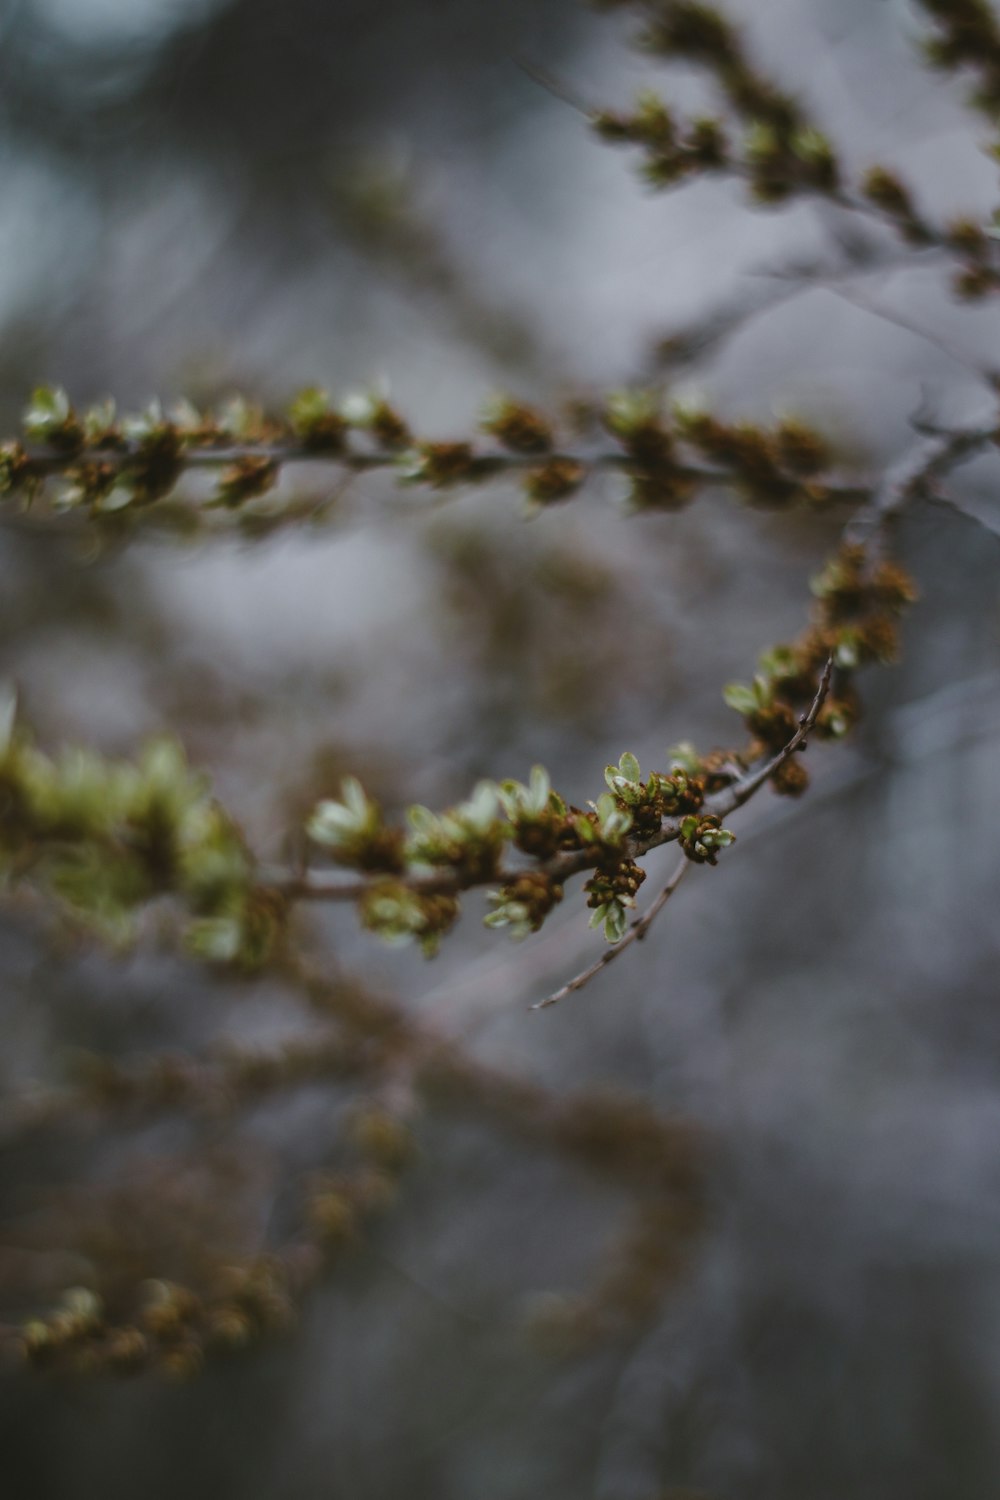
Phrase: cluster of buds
{"type": "Point", "coordinates": [523, 904]}
{"type": "Point", "coordinates": [611, 893]}
{"type": "Point", "coordinates": [71, 1325]}
{"type": "Point", "coordinates": [440, 465]}
{"type": "Point", "coordinates": [340, 1204]}
{"type": "Point", "coordinates": [173, 1327]}
{"type": "Point", "coordinates": [252, 475]}
{"type": "Point", "coordinates": [537, 813]}
{"type": "Point", "coordinates": [768, 716]}
{"type": "Point", "coordinates": [659, 796]}
{"type": "Point", "coordinates": [172, 1330]}
{"type": "Point", "coordinates": [885, 191]}
{"type": "Point", "coordinates": [858, 607]}
{"type": "Point", "coordinates": [702, 837]}
{"type": "Point", "coordinates": [658, 479]}
{"type": "Point", "coordinates": [691, 30]}
{"type": "Point", "coordinates": [603, 829]}
{"type": "Point", "coordinates": [783, 162]}
{"type": "Point", "coordinates": [106, 837]}
{"type": "Point", "coordinates": [770, 467]}
{"type": "Point", "coordinates": [782, 154]}
{"type": "Point", "coordinates": [399, 914]}
{"type": "Point", "coordinates": [352, 831]}
{"type": "Point", "coordinates": [464, 844]}
{"type": "Point", "coordinates": [556, 479]}
{"type": "Point", "coordinates": [967, 36]}
{"type": "Point", "coordinates": [517, 426]}
{"type": "Point", "coordinates": [371, 413]}
{"type": "Point", "coordinates": [699, 33]}
{"type": "Point", "coordinates": [671, 151]}
{"type": "Point", "coordinates": [114, 464]}
{"type": "Point", "coordinates": [979, 273]}
{"type": "Point", "coordinates": [316, 423]}
{"type": "Point", "coordinates": [855, 624]}
{"type": "Point", "coordinates": [466, 838]}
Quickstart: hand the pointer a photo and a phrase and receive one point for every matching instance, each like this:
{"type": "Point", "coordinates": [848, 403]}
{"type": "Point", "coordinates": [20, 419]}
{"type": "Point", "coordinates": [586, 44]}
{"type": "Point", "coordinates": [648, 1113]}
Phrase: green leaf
{"type": "Point", "coordinates": [353, 795]}
{"type": "Point", "coordinates": [48, 411]}
{"type": "Point", "coordinates": [629, 767]}
{"type": "Point", "coordinates": [778, 662]}
{"type": "Point", "coordinates": [739, 697]}
{"type": "Point", "coordinates": [615, 923]}
{"type": "Point", "coordinates": [846, 653]}
{"type": "Point", "coordinates": [763, 692]}
{"type": "Point", "coordinates": [684, 757]}
{"type": "Point", "coordinates": [310, 406]}
{"type": "Point", "coordinates": [539, 789]}
{"type": "Point", "coordinates": [481, 809]}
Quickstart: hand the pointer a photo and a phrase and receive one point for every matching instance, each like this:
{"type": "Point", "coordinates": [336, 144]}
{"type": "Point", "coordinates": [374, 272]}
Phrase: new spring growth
{"type": "Point", "coordinates": [466, 838]}
{"type": "Point", "coordinates": [611, 894]}
{"type": "Point", "coordinates": [769, 143]}
{"type": "Point", "coordinates": [854, 624]}
{"type": "Point", "coordinates": [660, 796]}
{"type": "Point", "coordinates": [537, 813]}
{"type": "Point", "coordinates": [398, 914]}
{"type": "Point", "coordinates": [105, 838]}
{"type": "Point", "coordinates": [351, 829]}
{"type": "Point", "coordinates": [112, 469]}
{"type": "Point", "coordinates": [523, 903]}
{"type": "Point", "coordinates": [445, 853]}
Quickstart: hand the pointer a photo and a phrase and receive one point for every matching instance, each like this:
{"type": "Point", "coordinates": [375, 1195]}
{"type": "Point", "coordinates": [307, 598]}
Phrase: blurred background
{"type": "Point", "coordinates": [201, 197]}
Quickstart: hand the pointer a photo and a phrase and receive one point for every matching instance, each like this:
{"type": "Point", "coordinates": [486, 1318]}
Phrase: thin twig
{"type": "Point", "coordinates": [916, 475]}
{"type": "Point", "coordinates": [554, 86]}
{"type": "Point", "coordinates": [485, 464]}
{"type": "Point", "coordinates": [637, 931]}
{"type": "Point", "coordinates": [985, 373]}
{"type": "Point", "coordinates": [949, 502]}
{"type": "Point", "coordinates": [747, 785]}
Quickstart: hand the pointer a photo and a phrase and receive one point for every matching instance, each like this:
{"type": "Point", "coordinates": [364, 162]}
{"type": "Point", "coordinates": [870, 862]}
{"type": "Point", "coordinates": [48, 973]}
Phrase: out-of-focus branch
{"type": "Point", "coordinates": [122, 473]}
{"type": "Point", "coordinates": [765, 137]}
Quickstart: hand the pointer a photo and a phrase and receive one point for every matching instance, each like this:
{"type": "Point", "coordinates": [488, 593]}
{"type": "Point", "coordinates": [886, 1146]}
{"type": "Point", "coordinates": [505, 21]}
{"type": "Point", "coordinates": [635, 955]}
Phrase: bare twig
{"type": "Point", "coordinates": [637, 931]}
{"type": "Point", "coordinates": [986, 373]}
{"type": "Point", "coordinates": [915, 476]}
{"type": "Point", "coordinates": [687, 345]}
{"type": "Point", "coordinates": [554, 86]}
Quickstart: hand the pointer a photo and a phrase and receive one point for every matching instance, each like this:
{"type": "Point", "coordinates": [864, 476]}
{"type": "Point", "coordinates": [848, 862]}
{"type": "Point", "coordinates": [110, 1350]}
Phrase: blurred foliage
{"type": "Point", "coordinates": [220, 1136]}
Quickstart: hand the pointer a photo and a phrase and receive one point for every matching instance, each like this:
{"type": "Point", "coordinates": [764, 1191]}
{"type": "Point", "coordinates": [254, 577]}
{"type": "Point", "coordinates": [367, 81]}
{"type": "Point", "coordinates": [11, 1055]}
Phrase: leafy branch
{"type": "Point", "coordinates": [112, 844]}
{"type": "Point", "coordinates": [108, 839]}
{"type": "Point", "coordinates": [743, 790]}
{"type": "Point", "coordinates": [768, 141]}
{"type": "Point", "coordinates": [121, 472]}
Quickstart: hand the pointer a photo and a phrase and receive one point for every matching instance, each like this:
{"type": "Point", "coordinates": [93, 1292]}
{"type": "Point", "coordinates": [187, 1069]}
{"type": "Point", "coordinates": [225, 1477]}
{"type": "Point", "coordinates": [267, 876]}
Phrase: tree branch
{"type": "Point", "coordinates": [637, 931]}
